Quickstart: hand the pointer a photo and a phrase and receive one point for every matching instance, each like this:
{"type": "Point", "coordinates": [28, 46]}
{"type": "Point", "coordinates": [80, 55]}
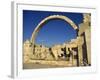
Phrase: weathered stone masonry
{"type": "Point", "coordinates": [77, 52]}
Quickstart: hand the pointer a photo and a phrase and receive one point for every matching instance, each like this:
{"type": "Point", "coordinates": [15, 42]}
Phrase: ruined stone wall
{"type": "Point", "coordinates": [27, 50]}
{"type": "Point", "coordinates": [44, 53]}
{"type": "Point", "coordinates": [86, 29]}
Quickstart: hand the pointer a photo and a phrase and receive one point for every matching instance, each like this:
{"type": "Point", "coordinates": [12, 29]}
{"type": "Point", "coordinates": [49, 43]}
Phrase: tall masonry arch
{"type": "Point", "coordinates": [40, 25]}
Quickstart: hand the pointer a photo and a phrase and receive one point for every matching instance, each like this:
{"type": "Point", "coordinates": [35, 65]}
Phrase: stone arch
{"type": "Point", "coordinates": [39, 26]}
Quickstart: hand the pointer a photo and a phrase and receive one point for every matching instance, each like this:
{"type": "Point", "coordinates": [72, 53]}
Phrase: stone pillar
{"type": "Point", "coordinates": [80, 50]}
{"type": "Point", "coordinates": [88, 44]}
{"type": "Point", "coordinates": [67, 53]}
{"type": "Point", "coordinates": [74, 53]}
{"type": "Point", "coordinates": [71, 60]}
{"type": "Point", "coordinates": [80, 55]}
